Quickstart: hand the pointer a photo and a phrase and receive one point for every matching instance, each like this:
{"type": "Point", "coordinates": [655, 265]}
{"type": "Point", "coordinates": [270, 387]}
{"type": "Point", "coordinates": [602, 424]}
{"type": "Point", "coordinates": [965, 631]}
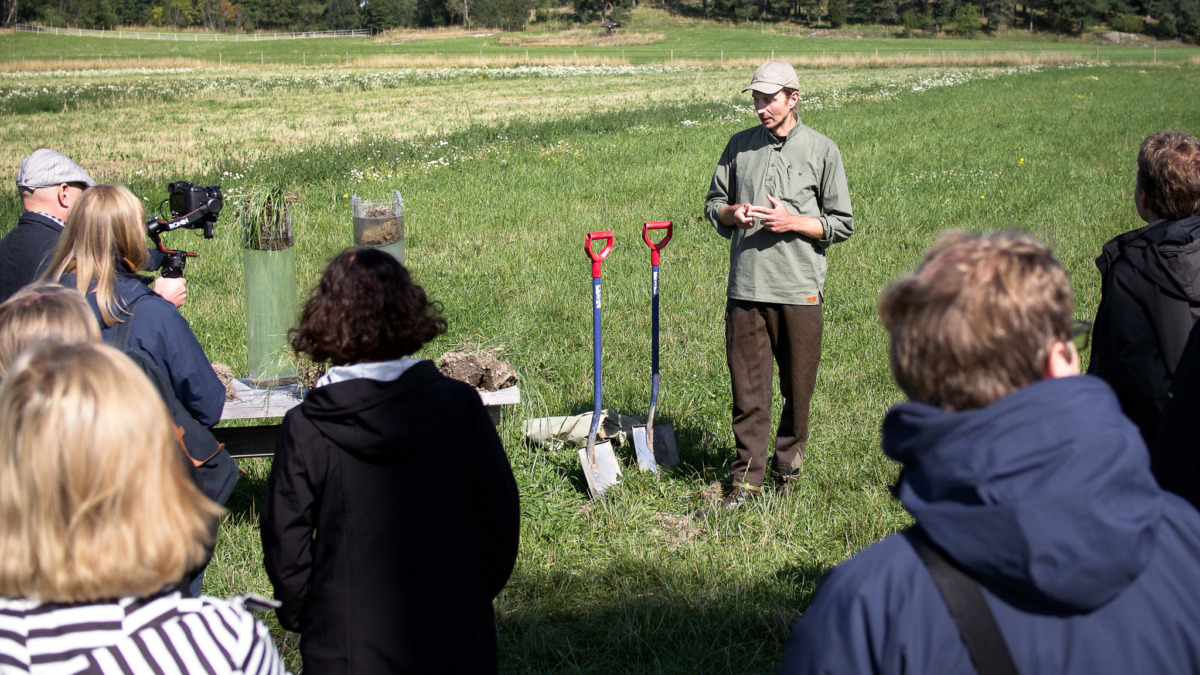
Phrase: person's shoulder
{"type": "Point", "coordinates": [1181, 528]}
{"type": "Point", "coordinates": [243, 638]}
{"type": "Point", "coordinates": [875, 572]}
{"type": "Point", "coordinates": [32, 229]}
{"type": "Point", "coordinates": [746, 136]}
{"type": "Point", "coordinates": [133, 288]}
{"type": "Point", "coordinates": [816, 139]}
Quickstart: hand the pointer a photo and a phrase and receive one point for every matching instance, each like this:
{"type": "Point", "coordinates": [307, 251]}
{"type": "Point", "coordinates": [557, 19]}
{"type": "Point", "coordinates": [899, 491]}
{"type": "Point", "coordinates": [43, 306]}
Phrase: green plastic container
{"type": "Point", "coordinates": [269, 263]}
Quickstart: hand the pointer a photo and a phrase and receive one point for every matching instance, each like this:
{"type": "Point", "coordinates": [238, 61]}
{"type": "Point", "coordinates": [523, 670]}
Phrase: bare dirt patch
{"type": "Point", "coordinates": [676, 530]}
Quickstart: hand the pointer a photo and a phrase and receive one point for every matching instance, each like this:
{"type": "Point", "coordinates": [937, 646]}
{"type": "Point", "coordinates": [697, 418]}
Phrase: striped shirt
{"type": "Point", "coordinates": [160, 634]}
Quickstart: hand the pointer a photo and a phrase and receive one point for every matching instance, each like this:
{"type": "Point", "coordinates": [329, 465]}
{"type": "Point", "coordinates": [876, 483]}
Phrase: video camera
{"type": "Point", "coordinates": [193, 207]}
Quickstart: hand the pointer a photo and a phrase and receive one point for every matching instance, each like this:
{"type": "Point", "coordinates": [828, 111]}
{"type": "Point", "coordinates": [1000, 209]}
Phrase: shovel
{"type": "Point", "coordinates": [655, 445]}
{"type": "Point", "coordinates": [600, 466]}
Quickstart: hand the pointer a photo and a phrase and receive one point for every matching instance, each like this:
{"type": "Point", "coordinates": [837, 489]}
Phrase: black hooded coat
{"type": "Point", "coordinates": [1150, 299]}
{"type": "Point", "coordinates": [390, 524]}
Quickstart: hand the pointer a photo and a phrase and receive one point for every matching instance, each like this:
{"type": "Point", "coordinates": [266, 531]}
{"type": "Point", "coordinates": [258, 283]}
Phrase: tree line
{"type": "Point", "coordinates": [268, 15]}
{"type": "Point", "coordinates": [1165, 19]}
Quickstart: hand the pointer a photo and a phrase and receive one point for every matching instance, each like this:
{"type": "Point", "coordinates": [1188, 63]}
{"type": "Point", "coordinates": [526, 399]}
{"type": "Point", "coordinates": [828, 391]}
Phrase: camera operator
{"type": "Point", "coordinates": [49, 184]}
{"type": "Point", "coordinates": [110, 218]}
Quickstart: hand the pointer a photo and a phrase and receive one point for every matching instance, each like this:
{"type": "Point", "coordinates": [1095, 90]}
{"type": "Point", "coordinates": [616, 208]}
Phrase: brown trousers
{"type": "Point", "coordinates": [754, 333]}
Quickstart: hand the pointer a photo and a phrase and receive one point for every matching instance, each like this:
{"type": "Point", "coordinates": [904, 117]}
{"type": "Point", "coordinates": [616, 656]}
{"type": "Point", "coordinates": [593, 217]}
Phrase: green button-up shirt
{"type": "Point", "coordinates": [804, 171]}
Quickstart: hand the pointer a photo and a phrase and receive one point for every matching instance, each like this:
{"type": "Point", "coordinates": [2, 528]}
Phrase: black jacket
{"type": "Point", "coordinates": [1175, 452]}
{"type": "Point", "coordinates": [415, 512]}
{"type": "Point", "coordinates": [26, 251]}
{"type": "Point", "coordinates": [1150, 299]}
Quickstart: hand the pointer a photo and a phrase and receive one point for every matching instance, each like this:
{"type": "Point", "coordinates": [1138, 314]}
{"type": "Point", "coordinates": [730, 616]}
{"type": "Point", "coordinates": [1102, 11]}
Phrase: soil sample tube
{"type": "Point", "coordinates": [378, 224]}
{"type": "Point", "coordinates": [269, 261]}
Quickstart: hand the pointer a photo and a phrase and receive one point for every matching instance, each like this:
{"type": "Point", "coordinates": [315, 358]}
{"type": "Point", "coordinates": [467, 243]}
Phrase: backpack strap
{"type": "Point", "coordinates": [962, 594]}
{"type": "Point", "coordinates": [118, 333]}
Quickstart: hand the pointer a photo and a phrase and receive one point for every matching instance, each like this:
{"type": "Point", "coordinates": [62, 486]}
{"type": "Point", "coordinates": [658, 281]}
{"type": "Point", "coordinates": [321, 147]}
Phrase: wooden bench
{"type": "Point", "coordinates": [273, 403]}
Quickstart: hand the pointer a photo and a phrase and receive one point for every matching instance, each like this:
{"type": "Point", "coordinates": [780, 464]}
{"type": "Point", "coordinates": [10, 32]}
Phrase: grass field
{"type": "Point", "coordinates": [503, 174]}
{"type": "Point", "coordinates": [650, 37]}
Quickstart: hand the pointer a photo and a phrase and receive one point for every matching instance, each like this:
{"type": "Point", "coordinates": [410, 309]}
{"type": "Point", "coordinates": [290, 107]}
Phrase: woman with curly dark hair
{"type": "Point", "coordinates": [391, 516]}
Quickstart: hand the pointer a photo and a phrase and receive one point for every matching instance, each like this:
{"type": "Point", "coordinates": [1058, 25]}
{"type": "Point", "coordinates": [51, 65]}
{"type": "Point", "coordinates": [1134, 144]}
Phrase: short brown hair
{"type": "Point", "coordinates": [44, 311]}
{"type": "Point", "coordinates": [106, 224]}
{"type": "Point", "coordinates": [366, 308]}
{"type": "Point", "coordinates": [977, 319]}
{"type": "Point", "coordinates": [1169, 174]}
{"type": "Point", "coordinates": [94, 495]}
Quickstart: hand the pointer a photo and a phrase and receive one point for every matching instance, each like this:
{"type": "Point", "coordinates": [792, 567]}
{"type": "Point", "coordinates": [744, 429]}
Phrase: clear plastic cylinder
{"type": "Point", "coordinates": [380, 224]}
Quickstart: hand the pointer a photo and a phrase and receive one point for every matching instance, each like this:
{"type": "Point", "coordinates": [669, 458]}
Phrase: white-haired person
{"type": "Point", "coordinates": [101, 524]}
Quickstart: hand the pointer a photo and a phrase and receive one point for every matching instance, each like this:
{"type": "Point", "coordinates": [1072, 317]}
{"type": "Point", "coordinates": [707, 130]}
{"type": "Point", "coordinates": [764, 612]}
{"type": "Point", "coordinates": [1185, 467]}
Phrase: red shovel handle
{"type": "Point", "coordinates": [655, 248]}
{"type": "Point", "coordinates": [608, 239]}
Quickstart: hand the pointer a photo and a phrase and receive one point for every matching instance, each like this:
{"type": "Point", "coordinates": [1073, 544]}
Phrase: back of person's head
{"type": "Point", "coordinates": [1169, 174]}
{"type": "Point", "coordinates": [43, 311]}
{"type": "Point", "coordinates": [106, 225]}
{"type": "Point", "coordinates": [40, 181]}
{"type": "Point", "coordinates": [977, 320]}
{"type": "Point", "coordinates": [366, 308]}
{"type": "Point", "coordinates": [94, 496]}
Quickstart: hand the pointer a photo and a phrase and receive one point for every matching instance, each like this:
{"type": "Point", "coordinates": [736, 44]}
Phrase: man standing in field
{"type": "Point", "coordinates": [1037, 518]}
{"type": "Point", "coordinates": [49, 183]}
{"type": "Point", "coordinates": [779, 195]}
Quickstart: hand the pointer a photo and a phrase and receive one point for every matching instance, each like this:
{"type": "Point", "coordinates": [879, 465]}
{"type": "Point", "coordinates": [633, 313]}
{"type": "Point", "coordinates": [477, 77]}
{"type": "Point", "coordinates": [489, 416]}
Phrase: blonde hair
{"type": "Point", "coordinates": [977, 320]}
{"type": "Point", "coordinates": [43, 311]}
{"type": "Point", "coordinates": [94, 495]}
{"type": "Point", "coordinates": [104, 226]}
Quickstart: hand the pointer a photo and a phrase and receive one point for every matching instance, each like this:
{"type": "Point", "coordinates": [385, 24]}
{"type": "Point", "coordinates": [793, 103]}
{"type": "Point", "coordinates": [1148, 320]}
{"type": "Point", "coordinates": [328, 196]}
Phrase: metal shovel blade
{"type": "Point", "coordinates": [664, 451]}
{"type": "Point", "coordinates": [601, 470]}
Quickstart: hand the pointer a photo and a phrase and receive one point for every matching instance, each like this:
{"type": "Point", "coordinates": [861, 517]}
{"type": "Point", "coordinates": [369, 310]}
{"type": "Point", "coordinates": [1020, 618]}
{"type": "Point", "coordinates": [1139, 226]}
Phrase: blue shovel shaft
{"type": "Point", "coordinates": [595, 363]}
{"type": "Point", "coordinates": [653, 341]}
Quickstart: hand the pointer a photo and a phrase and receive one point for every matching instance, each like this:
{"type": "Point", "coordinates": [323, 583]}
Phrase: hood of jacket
{"type": "Point", "coordinates": [1046, 494]}
{"type": "Point", "coordinates": [365, 416]}
{"type": "Point", "coordinates": [1167, 253]}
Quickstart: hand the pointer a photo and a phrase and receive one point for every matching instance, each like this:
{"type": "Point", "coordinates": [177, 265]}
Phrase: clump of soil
{"type": "Point", "coordinates": [386, 231]}
{"type": "Point", "coordinates": [309, 372]}
{"type": "Point", "coordinates": [225, 374]}
{"type": "Point", "coordinates": [712, 492]}
{"type": "Point", "coordinates": [481, 370]}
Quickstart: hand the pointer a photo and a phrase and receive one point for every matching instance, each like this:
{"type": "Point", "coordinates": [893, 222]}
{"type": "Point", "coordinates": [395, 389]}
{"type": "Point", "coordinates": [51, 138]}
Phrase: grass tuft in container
{"type": "Point", "coordinates": [269, 261]}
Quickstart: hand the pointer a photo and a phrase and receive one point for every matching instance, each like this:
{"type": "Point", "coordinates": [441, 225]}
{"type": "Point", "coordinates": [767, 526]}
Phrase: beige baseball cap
{"type": "Point", "coordinates": [45, 167]}
{"type": "Point", "coordinates": [773, 76]}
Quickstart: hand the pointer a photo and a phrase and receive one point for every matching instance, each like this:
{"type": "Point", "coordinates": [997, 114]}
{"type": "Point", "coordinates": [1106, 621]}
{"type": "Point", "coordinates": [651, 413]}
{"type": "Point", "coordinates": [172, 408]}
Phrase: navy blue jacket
{"type": "Point", "coordinates": [1045, 496]}
{"type": "Point", "coordinates": [164, 336]}
{"type": "Point", "coordinates": [25, 252]}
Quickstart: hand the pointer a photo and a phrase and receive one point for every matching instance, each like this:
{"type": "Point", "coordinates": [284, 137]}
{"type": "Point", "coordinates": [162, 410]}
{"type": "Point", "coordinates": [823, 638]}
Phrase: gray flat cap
{"type": "Point", "coordinates": [45, 167]}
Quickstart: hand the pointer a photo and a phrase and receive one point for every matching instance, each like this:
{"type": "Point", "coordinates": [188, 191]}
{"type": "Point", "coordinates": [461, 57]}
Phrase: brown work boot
{"type": "Point", "coordinates": [740, 494]}
{"type": "Point", "coordinates": [785, 482]}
